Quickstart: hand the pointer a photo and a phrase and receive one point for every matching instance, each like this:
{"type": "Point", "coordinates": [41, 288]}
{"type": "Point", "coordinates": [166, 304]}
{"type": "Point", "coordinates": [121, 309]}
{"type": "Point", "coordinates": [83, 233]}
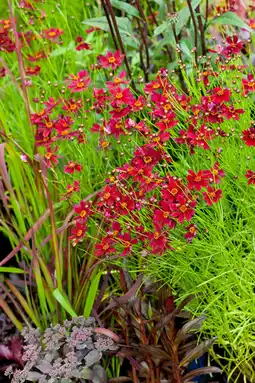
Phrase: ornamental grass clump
{"type": "Point", "coordinates": [64, 353]}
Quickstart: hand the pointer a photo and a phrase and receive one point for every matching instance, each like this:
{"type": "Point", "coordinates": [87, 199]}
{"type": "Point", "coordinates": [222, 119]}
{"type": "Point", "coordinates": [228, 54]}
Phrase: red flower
{"type": "Point", "coordinates": [215, 174]}
{"type": "Point", "coordinates": [251, 177]}
{"type": "Point", "coordinates": [137, 105]}
{"type": "Point", "coordinates": [229, 112]}
{"type": "Point", "coordinates": [105, 247]}
{"type": "Point", "coordinates": [78, 232]}
{"type": "Point", "coordinates": [50, 158]}
{"type": "Point", "coordinates": [127, 242]}
{"type": "Point", "coordinates": [212, 195]}
{"type": "Point", "coordinates": [83, 46]}
{"type": "Point", "coordinates": [220, 95]}
{"type": "Point", "coordinates": [248, 84]}
{"type": "Point", "coordinates": [111, 60]}
{"type": "Point", "coordinates": [2, 72]}
{"type": "Point", "coordinates": [79, 82]}
{"type": "Point", "coordinates": [33, 71]}
{"type": "Point", "coordinates": [72, 188]}
{"type": "Point", "coordinates": [121, 96]}
{"type": "Point", "coordinates": [52, 33]}
{"type": "Point", "coordinates": [200, 137]}
{"type": "Point", "coordinates": [182, 208]}
{"type": "Point", "coordinates": [249, 136]}
{"type": "Point", "coordinates": [115, 127]}
{"type": "Point", "coordinates": [146, 157]}
{"type": "Point", "coordinates": [171, 189]}
{"type": "Point", "coordinates": [72, 105]}
{"type": "Point", "coordinates": [162, 216]}
{"type": "Point", "coordinates": [83, 209]}
{"type": "Point", "coordinates": [37, 56]}
{"type": "Point", "coordinates": [197, 180]}
{"type": "Point", "coordinates": [191, 232]}
{"type": "Point", "coordinates": [233, 46]}
{"type": "Point", "coordinates": [71, 167]}
{"type": "Point", "coordinates": [124, 204]}
{"type": "Point", "coordinates": [117, 81]}
{"type": "Point", "coordinates": [158, 241]}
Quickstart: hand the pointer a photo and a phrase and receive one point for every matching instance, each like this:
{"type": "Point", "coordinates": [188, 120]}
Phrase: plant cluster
{"type": "Point", "coordinates": [64, 353]}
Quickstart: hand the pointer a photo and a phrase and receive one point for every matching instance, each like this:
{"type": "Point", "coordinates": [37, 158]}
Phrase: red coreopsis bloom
{"type": "Point", "coordinates": [71, 167]}
{"type": "Point", "coordinates": [212, 195]}
{"type": "Point", "coordinates": [215, 174]}
{"type": "Point", "coordinates": [78, 232]}
{"type": "Point", "coordinates": [111, 60]}
{"type": "Point", "coordinates": [162, 216]}
{"type": "Point", "coordinates": [171, 189]}
{"type": "Point", "coordinates": [50, 157]}
{"type": "Point", "coordinates": [158, 241]}
{"type": "Point", "coordinates": [200, 137]}
{"type": "Point", "coordinates": [191, 232]}
{"type": "Point", "coordinates": [105, 247]}
{"type": "Point", "coordinates": [168, 122]}
{"type": "Point", "coordinates": [229, 112]}
{"type": "Point", "coordinates": [2, 72]}
{"type": "Point", "coordinates": [121, 96]}
{"type": "Point", "coordinates": [74, 188]}
{"type": "Point", "coordinates": [152, 86]}
{"type": "Point", "coordinates": [72, 105]}
{"type": "Point", "coordinates": [233, 46]}
{"type": "Point", "coordinates": [248, 136]}
{"type": "Point", "coordinates": [115, 127]}
{"type": "Point", "coordinates": [250, 175]}
{"type": "Point", "coordinates": [146, 157]}
{"type": "Point", "coordinates": [52, 34]}
{"type": "Point", "coordinates": [183, 208]}
{"type": "Point", "coordinates": [79, 82]}
{"type": "Point", "coordinates": [137, 105]}
{"type": "Point", "coordinates": [248, 84]}
{"type": "Point", "coordinates": [124, 204]}
{"type": "Point", "coordinates": [117, 81]}
{"type": "Point", "coordinates": [83, 209]}
{"type": "Point", "coordinates": [37, 56]}
{"type": "Point", "coordinates": [126, 241]}
{"type": "Point", "coordinates": [197, 180]}
{"type": "Point", "coordinates": [32, 71]}
{"type": "Point", "coordinates": [82, 45]}
{"type": "Point", "coordinates": [220, 95]}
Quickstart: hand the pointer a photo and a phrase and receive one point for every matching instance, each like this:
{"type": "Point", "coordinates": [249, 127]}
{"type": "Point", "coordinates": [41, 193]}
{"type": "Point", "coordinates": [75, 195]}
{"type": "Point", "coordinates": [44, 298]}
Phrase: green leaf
{"type": "Point", "coordinates": [162, 28]}
{"type": "Point", "coordinates": [91, 295]}
{"type": "Point", "coordinates": [64, 302]}
{"type": "Point", "coordinates": [184, 15]}
{"type": "Point", "coordinates": [230, 18]}
{"type": "Point", "coordinates": [63, 50]}
{"type": "Point", "coordinates": [14, 270]}
{"type": "Point", "coordinates": [162, 8]}
{"type": "Point", "coordinates": [122, 6]}
{"type": "Point", "coordinates": [123, 23]}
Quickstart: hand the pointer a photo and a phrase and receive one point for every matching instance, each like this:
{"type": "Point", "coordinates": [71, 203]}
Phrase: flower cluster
{"type": "Point", "coordinates": [71, 351]}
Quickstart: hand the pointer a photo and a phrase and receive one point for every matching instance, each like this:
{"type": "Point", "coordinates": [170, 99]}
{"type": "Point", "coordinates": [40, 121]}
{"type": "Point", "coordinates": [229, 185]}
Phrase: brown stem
{"type": "Point", "coordinates": [161, 35]}
{"type": "Point", "coordinates": [144, 34]}
{"type": "Point", "coordinates": [114, 21]}
{"type": "Point", "coordinates": [195, 26]}
{"type": "Point", "coordinates": [110, 25]}
{"type": "Point", "coordinates": [202, 31]}
{"type": "Point", "coordinates": [206, 11]}
{"type": "Point", "coordinates": [20, 61]}
{"type": "Point", "coordinates": [146, 67]}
